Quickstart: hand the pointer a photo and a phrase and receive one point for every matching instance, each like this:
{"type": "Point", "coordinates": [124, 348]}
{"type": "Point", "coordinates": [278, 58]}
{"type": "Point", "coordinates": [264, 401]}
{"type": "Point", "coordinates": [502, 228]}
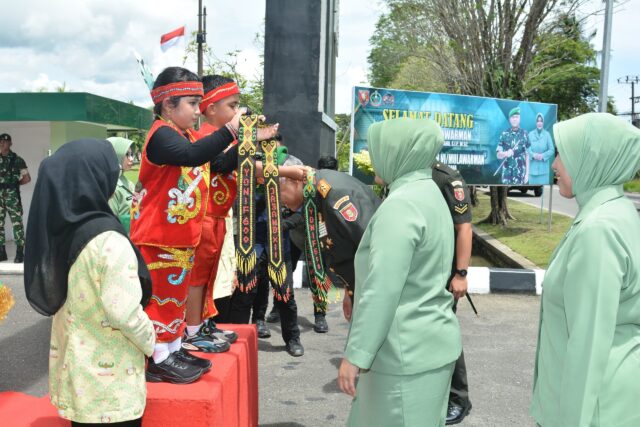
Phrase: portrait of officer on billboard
{"type": "Point", "coordinates": [513, 150]}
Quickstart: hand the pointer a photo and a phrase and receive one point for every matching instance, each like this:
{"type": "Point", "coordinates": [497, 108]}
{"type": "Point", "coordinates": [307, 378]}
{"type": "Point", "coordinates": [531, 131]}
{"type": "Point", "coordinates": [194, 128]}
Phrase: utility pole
{"type": "Point", "coordinates": [632, 80]}
{"type": "Point", "coordinates": [606, 48]}
{"type": "Point", "coordinates": [201, 37]}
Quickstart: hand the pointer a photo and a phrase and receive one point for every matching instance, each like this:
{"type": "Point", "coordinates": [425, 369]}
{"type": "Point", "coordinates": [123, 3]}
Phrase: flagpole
{"type": "Point", "coordinates": [200, 38]}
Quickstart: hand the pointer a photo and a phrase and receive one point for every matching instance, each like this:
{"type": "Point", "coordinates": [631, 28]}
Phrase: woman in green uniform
{"type": "Point", "coordinates": [540, 153]}
{"type": "Point", "coordinates": [120, 202]}
{"type": "Point", "coordinates": [588, 356]}
{"type": "Point", "coordinates": [404, 337]}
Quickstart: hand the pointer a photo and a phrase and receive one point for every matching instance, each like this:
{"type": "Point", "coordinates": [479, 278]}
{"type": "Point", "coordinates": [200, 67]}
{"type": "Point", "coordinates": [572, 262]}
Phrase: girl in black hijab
{"type": "Point", "coordinates": [81, 267]}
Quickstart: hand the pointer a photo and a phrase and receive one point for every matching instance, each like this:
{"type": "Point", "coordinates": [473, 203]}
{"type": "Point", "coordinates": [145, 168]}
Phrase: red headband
{"type": "Point", "coordinates": [218, 93]}
{"type": "Point", "coordinates": [190, 88]}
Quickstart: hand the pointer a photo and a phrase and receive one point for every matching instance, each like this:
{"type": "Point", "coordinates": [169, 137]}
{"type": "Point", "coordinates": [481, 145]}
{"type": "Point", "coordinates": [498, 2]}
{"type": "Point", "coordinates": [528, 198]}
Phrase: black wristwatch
{"type": "Point", "coordinates": [462, 273]}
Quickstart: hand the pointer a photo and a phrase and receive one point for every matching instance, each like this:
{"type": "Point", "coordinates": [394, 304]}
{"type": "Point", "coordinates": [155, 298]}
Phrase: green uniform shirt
{"type": "Point", "coordinates": [454, 190]}
{"type": "Point", "coordinates": [346, 208]}
{"type": "Point", "coordinates": [402, 321]}
{"type": "Point", "coordinates": [588, 358]}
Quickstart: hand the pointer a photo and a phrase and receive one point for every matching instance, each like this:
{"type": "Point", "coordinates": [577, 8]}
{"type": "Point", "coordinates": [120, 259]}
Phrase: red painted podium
{"type": "Point", "coordinates": [226, 396]}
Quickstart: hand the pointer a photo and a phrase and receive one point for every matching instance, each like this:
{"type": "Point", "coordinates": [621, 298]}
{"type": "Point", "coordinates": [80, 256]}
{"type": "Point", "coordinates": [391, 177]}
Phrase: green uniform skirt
{"type": "Point", "coordinates": [418, 400]}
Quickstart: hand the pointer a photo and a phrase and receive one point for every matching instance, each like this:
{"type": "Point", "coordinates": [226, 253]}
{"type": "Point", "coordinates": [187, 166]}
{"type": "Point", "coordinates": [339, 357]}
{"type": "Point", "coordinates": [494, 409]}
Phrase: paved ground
{"type": "Point", "coordinates": [499, 347]}
{"type": "Point", "coordinates": [559, 204]}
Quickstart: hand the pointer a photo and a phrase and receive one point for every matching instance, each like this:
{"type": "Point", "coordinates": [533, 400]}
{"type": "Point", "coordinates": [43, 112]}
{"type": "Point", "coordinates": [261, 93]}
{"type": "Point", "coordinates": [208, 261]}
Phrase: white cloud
{"type": "Point", "coordinates": [357, 25]}
{"type": "Point", "coordinates": [86, 44]}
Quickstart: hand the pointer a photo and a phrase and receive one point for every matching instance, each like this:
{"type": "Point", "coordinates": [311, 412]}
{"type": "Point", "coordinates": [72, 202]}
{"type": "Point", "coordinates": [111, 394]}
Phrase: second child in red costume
{"type": "Point", "coordinates": [220, 104]}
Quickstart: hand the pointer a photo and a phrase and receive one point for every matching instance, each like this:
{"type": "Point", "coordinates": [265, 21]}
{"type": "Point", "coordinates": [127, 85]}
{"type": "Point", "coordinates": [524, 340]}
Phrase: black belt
{"type": "Point", "coordinates": [9, 186]}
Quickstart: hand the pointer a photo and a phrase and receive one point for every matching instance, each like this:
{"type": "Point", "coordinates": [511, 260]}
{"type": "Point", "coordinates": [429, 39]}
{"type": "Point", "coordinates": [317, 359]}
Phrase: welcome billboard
{"type": "Point", "coordinates": [490, 141]}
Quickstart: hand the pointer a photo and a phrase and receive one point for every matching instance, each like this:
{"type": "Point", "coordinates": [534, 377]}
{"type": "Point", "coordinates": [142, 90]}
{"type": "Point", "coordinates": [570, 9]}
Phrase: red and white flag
{"type": "Point", "coordinates": [171, 39]}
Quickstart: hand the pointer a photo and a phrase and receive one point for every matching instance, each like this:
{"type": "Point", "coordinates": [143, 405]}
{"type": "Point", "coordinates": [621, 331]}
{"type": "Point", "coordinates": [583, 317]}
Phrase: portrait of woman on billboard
{"type": "Point", "coordinates": [541, 152]}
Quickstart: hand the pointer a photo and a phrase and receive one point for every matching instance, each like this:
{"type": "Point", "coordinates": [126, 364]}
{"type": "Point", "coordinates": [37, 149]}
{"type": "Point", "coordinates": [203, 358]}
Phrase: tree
{"type": "Point", "coordinates": [399, 34]}
{"type": "Point", "coordinates": [62, 88]}
{"type": "Point", "coordinates": [343, 141]}
{"type": "Point", "coordinates": [472, 47]}
{"type": "Point", "coordinates": [564, 70]}
{"type": "Point", "coordinates": [251, 89]}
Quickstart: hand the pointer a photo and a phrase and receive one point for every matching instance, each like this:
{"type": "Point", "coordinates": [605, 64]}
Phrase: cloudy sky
{"type": "Point", "coordinates": [86, 44]}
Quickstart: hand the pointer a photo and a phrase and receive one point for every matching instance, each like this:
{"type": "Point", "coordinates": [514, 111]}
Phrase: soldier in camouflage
{"type": "Point", "coordinates": [513, 151]}
{"type": "Point", "coordinates": [13, 174]}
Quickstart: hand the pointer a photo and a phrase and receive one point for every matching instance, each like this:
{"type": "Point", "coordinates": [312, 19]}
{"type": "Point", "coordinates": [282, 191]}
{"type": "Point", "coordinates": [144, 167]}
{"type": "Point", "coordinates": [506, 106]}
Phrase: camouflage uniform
{"type": "Point", "coordinates": [10, 202]}
{"type": "Point", "coordinates": [515, 167]}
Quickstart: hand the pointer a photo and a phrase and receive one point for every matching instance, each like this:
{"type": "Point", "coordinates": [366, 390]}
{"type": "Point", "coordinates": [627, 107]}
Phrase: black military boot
{"type": "Point", "coordinates": [321, 325]}
{"type": "Point", "coordinates": [3, 253]}
{"type": "Point", "coordinates": [19, 255]}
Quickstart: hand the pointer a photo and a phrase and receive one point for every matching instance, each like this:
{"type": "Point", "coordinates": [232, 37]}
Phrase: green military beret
{"type": "Point", "coordinates": [514, 111]}
{"type": "Point", "coordinates": [281, 155]}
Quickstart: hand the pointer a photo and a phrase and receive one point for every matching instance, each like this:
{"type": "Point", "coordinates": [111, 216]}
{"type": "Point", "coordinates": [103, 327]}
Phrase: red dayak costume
{"type": "Point", "coordinates": [222, 194]}
{"type": "Point", "coordinates": [166, 224]}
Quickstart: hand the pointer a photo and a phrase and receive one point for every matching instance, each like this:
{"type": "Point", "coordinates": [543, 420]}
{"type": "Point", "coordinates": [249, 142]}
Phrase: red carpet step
{"type": "Point", "coordinates": [227, 396]}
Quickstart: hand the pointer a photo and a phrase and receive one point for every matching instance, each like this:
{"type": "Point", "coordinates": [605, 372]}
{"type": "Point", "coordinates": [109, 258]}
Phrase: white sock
{"type": "Point", "coordinates": [160, 352]}
{"type": "Point", "coordinates": [192, 330]}
{"type": "Point", "coordinates": [175, 345]}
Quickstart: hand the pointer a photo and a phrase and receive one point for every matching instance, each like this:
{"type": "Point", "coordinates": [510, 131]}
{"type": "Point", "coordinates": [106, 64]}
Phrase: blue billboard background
{"type": "Point", "coordinates": [472, 126]}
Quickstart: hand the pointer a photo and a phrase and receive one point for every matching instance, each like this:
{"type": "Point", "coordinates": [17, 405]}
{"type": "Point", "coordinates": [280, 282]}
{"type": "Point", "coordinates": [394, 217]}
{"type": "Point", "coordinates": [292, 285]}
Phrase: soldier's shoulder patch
{"type": "Point", "coordinates": [456, 183]}
{"type": "Point", "coordinates": [458, 193]}
{"type": "Point", "coordinates": [461, 208]}
{"type": "Point", "coordinates": [349, 212]}
{"type": "Point", "coordinates": [323, 188]}
{"type": "Point", "coordinates": [340, 202]}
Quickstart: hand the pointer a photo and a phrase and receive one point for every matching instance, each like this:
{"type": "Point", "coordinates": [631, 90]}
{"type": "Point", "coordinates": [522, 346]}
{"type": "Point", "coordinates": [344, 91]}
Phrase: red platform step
{"type": "Point", "coordinates": [225, 396]}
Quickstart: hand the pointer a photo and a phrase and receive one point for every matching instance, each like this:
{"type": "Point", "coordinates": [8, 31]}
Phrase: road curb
{"type": "Point", "coordinates": [498, 252]}
{"type": "Point", "coordinates": [485, 280]}
{"type": "Point", "coordinates": [11, 269]}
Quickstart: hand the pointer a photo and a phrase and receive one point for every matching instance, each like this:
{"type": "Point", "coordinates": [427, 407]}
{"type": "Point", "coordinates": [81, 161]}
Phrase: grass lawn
{"type": "Point", "coordinates": [525, 235]}
{"type": "Point", "coordinates": [633, 186]}
{"type": "Point", "coordinates": [132, 174]}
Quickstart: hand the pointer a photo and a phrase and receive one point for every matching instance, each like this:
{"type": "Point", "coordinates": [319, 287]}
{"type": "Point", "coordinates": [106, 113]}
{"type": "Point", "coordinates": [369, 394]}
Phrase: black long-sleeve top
{"type": "Point", "coordinates": [168, 147]}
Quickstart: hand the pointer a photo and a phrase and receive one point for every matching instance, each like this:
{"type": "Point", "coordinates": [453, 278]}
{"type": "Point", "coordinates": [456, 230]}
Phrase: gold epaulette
{"type": "Point", "coordinates": [323, 188]}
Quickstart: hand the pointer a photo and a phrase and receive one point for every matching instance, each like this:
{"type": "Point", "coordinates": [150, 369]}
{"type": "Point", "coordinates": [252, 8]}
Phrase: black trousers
{"type": "Point", "coordinates": [131, 423]}
{"type": "Point", "coordinates": [459, 393]}
{"type": "Point", "coordinates": [253, 305]}
{"type": "Point", "coordinates": [222, 305]}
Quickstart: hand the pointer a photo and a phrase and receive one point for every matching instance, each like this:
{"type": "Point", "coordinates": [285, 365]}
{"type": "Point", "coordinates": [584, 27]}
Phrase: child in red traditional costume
{"type": "Point", "coordinates": [168, 211]}
{"type": "Point", "coordinates": [219, 105]}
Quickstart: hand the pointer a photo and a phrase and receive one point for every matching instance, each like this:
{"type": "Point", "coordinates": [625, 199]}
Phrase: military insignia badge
{"type": "Point", "coordinates": [322, 227]}
{"type": "Point", "coordinates": [461, 208]}
{"type": "Point", "coordinates": [349, 212]}
{"type": "Point", "coordinates": [340, 201]}
{"type": "Point", "coordinates": [376, 99]}
{"type": "Point", "coordinates": [323, 188]}
{"type": "Point", "coordinates": [363, 96]}
{"type": "Point", "coordinates": [459, 193]}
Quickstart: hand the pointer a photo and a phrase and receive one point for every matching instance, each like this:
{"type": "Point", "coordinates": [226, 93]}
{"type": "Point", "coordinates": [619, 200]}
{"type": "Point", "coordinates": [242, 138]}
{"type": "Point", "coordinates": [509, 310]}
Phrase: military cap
{"type": "Point", "coordinates": [5, 137]}
{"type": "Point", "coordinates": [514, 111]}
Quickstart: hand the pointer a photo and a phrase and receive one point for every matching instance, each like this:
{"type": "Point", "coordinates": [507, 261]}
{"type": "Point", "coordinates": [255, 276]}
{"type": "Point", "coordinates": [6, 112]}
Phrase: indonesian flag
{"type": "Point", "coordinates": [171, 39]}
